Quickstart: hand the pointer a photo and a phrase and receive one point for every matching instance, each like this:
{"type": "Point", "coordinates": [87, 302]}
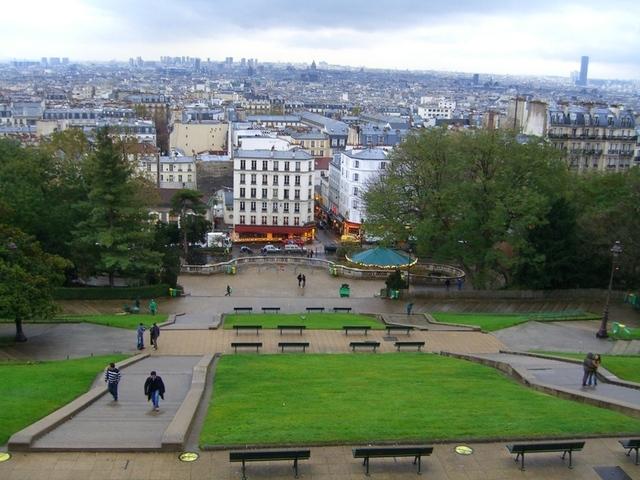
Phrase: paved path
{"type": "Point", "coordinates": [566, 376]}
{"type": "Point", "coordinates": [489, 461]}
{"type": "Point", "coordinates": [130, 423]}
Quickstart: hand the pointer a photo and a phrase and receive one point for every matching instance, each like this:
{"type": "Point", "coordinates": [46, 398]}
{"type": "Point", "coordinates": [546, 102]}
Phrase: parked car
{"type": "Point", "coordinates": [330, 248]}
{"type": "Point", "coordinates": [270, 249]}
{"type": "Point", "coordinates": [293, 248]}
{"type": "Point", "coordinates": [247, 250]}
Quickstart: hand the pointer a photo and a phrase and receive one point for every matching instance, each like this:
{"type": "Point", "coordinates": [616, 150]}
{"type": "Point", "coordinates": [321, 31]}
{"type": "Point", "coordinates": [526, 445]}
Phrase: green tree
{"type": "Point", "coordinates": [27, 278]}
{"type": "Point", "coordinates": [116, 237]}
{"type": "Point", "coordinates": [187, 203]}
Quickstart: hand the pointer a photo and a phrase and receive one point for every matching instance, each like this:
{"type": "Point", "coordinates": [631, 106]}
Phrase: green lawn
{"type": "Point", "coordinates": [626, 367]}
{"type": "Point", "coordinates": [302, 398]}
{"type": "Point", "coordinates": [314, 321]}
{"type": "Point", "coordinates": [127, 321]}
{"type": "Point", "coordinates": [496, 321]}
{"type": "Point", "coordinates": [31, 391]}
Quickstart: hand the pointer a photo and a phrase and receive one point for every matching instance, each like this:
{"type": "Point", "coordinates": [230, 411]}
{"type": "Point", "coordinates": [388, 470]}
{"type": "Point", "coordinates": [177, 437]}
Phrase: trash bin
{"type": "Point", "coordinates": [394, 294]}
{"type": "Point", "coordinates": [172, 292]}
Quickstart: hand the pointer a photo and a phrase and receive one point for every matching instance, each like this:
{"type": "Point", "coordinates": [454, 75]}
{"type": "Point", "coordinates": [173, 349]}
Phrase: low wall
{"type": "Point", "coordinates": [586, 294]}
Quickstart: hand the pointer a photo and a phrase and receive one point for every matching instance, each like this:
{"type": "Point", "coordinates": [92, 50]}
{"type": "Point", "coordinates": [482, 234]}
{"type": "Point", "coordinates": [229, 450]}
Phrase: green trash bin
{"type": "Point", "coordinates": [172, 292]}
{"type": "Point", "coordinates": [394, 294]}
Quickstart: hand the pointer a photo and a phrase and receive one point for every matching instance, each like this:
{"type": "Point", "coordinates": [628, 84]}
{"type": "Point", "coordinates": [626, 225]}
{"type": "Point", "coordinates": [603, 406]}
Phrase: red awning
{"type": "Point", "coordinates": [264, 229]}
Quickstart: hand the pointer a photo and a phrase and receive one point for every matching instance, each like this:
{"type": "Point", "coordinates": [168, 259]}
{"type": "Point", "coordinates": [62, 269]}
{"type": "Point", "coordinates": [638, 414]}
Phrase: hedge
{"type": "Point", "coordinates": [111, 293]}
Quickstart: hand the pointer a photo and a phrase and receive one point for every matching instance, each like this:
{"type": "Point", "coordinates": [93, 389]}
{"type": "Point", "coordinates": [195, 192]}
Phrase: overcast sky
{"type": "Point", "coordinates": [540, 37]}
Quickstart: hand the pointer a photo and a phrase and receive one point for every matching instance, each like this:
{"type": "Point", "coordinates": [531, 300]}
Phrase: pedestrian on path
{"type": "Point", "coordinates": [459, 283]}
{"type": "Point", "coordinates": [153, 307]}
{"type": "Point", "coordinates": [587, 365]}
{"type": "Point", "coordinates": [154, 333]}
{"type": "Point", "coordinates": [228, 294]}
{"type": "Point", "coordinates": [304, 281]}
{"type": "Point", "coordinates": [112, 377]}
{"type": "Point", "coordinates": [299, 280]}
{"type": "Point", "coordinates": [140, 333]}
{"type": "Point", "coordinates": [447, 284]}
{"type": "Point", "coordinates": [409, 308]}
{"type": "Point", "coordinates": [593, 372]}
{"type": "Point", "coordinates": [154, 389]}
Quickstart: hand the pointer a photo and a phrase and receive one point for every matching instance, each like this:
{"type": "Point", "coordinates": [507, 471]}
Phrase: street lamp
{"type": "Point", "coordinates": [615, 251]}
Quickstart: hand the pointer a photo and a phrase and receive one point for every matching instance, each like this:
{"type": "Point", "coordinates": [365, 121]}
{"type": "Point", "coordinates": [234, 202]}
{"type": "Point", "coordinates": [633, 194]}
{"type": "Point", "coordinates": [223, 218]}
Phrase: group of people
{"type": "Point", "coordinates": [153, 385]}
{"type": "Point", "coordinates": [302, 280]}
{"type": "Point", "coordinates": [154, 333]}
{"type": "Point", "coordinates": [459, 284]}
{"type": "Point", "coordinates": [590, 364]}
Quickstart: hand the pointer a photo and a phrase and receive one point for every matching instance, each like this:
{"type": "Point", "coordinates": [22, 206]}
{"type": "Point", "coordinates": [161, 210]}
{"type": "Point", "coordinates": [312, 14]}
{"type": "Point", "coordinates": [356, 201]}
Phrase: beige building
{"type": "Point", "coordinates": [201, 137]}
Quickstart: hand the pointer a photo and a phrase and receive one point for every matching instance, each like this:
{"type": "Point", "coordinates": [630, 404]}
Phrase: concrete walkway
{"type": "Point", "coordinates": [129, 423]}
{"type": "Point", "coordinates": [566, 377]}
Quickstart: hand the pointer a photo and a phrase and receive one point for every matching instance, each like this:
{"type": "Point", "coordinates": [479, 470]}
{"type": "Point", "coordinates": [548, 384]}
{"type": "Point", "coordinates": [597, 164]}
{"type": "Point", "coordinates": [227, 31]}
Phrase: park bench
{"type": "Point", "coordinates": [243, 309]}
{"type": "Point", "coordinates": [346, 328]}
{"type": "Point", "coordinates": [373, 345]}
{"type": "Point", "coordinates": [342, 309]}
{"type": "Point", "coordinates": [386, 452]}
{"type": "Point", "coordinates": [315, 309]}
{"type": "Point", "coordinates": [257, 328]}
{"type": "Point", "coordinates": [291, 327]}
{"type": "Point", "coordinates": [302, 345]}
{"type": "Point", "coordinates": [565, 447]}
{"type": "Point", "coordinates": [399, 328]}
{"type": "Point", "coordinates": [399, 345]}
{"type": "Point", "coordinates": [269, 456]}
{"type": "Point", "coordinates": [270, 309]}
{"type": "Point", "coordinates": [631, 444]}
{"type": "Point", "coordinates": [237, 345]}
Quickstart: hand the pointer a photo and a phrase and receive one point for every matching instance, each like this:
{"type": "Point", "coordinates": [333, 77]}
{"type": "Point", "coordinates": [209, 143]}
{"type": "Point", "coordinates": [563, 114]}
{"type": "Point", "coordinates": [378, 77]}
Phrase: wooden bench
{"type": "Point", "coordinates": [270, 309]}
{"type": "Point", "coordinates": [399, 328]}
{"type": "Point", "coordinates": [631, 444]}
{"type": "Point", "coordinates": [315, 309]}
{"type": "Point", "coordinates": [257, 328]}
{"type": "Point", "coordinates": [342, 309]}
{"type": "Point", "coordinates": [373, 345]}
{"type": "Point", "coordinates": [346, 328]}
{"type": "Point", "coordinates": [302, 345]}
{"type": "Point", "coordinates": [382, 452]}
{"type": "Point", "coordinates": [236, 345]}
{"type": "Point", "coordinates": [242, 309]}
{"type": "Point", "coordinates": [410, 344]}
{"type": "Point", "coordinates": [291, 327]}
{"type": "Point", "coordinates": [565, 447]}
{"type": "Point", "coordinates": [269, 456]}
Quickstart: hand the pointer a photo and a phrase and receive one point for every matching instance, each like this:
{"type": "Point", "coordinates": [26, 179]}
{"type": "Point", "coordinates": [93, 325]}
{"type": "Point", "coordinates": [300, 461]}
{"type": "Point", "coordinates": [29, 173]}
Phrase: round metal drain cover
{"type": "Point", "coordinates": [464, 450]}
{"type": "Point", "coordinates": [188, 456]}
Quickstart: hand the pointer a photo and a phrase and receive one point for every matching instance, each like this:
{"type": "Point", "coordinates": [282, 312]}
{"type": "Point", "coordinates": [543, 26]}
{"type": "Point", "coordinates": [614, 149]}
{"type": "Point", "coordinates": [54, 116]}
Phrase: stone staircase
{"type": "Point", "coordinates": [623, 347]}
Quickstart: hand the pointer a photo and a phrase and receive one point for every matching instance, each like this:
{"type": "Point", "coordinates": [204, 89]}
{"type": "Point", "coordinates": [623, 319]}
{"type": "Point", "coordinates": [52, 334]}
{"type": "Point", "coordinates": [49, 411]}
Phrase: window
{"type": "Point", "coordinates": [254, 165]}
{"type": "Point", "coordinates": [275, 207]}
{"type": "Point", "coordinates": [275, 165]}
{"type": "Point", "coordinates": [286, 193]}
{"type": "Point", "coordinates": [275, 179]}
{"type": "Point", "coordinates": [355, 204]}
{"type": "Point", "coordinates": [275, 193]}
{"type": "Point", "coordinates": [297, 166]}
{"type": "Point", "coordinates": [264, 180]}
{"type": "Point", "coordinates": [189, 178]}
{"type": "Point", "coordinates": [296, 221]}
{"type": "Point", "coordinates": [253, 220]}
{"type": "Point", "coordinates": [253, 178]}
{"type": "Point", "coordinates": [296, 194]}
{"type": "Point", "coordinates": [242, 193]}
{"type": "Point", "coordinates": [286, 166]}
{"type": "Point", "coordinates": [311, 180]}
{"type": "Point", "coordinates": [356, 177]}
{"type": "Point", "coordinates": [296, 208]}
{"type": "Point", "coordinates": [253, 193]}
{"type": "Point", "coordinates": [355, 191]}
{"type": "Point", "coordinates": [253, 206]}
{"type": "Point", "coordinates": [286, 179]}
{"type": "Point", "coordinates": [242, 206]}
{"type": "Point", "coordinates": [179, 178]}
{"type": "Point", "coordinates": [297, 180]}
{"type": "Point", "coordinates": [242, 179]}
{"type": "Point", "coordinates": [264, 206]}
{"type": "Point", "coordinates": [171, 178]}
{"type": "Point", "coordinates": [263, 220]}
{"type": "Point", "coordinates": [265, 167]}
{"type": "Point", "coordinates": [334, 142]}
{"type": "Point", "coordinates": [383, 165]}
{"type": "Point", "coordinates": [285, 221]}
{"type": "Point", "coordinates": [264, 193]}
{"type": "Point", "coordinates": [241, 221]}
{"type": "Point", "coordinates": [274, 220]}
{"type": "Point", "coordinates": [243, 166]}
{"type": "Point", "coordinates": [286, 207]}
{"type": "Point", "coordinates": [356, 164]}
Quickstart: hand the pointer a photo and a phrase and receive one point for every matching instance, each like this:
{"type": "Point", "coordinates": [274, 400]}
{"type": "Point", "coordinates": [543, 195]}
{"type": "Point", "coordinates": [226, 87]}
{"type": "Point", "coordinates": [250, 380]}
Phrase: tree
{"type": "Point", "coordinates": [116, 237]}
{"type": "Point", "coordinates": [27, 278]}
{"type": "Point", "coordinates": [471, 197]}
{"type": "Point", "coordinates": [186, 203]}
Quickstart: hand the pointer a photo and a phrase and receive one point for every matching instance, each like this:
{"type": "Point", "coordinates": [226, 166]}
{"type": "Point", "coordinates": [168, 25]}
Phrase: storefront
{"type": "Point", "coordinates": [266, 233]}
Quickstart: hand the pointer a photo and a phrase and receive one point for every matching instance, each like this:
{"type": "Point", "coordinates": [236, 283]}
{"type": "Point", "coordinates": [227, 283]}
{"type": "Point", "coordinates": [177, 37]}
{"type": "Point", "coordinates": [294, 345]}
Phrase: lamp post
{"type": "Point", "coordinates": [616, 250]}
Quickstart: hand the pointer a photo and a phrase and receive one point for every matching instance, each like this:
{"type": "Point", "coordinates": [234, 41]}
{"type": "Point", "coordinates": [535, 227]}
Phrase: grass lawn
{"type": "Point", "coordinates": [296, 398]}
{"type": "Point", "coordinates": [31, 391]}
{"type": "Point", "coordinates": [626, 367]}
{"type": "Point", "coordinates": [127, 321]}
{"type": "Point", "coordinates": [313, 321]}
{"type": "Point", "coordinates": [495, 321]}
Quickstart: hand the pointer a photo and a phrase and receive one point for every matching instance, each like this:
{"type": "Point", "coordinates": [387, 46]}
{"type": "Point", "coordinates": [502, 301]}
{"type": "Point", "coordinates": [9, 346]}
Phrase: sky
{"type": "Point", "coordinates": [535, 37]}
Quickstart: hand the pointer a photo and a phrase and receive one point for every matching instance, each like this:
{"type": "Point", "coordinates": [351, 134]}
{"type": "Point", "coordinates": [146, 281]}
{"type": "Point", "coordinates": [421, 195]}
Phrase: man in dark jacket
{"type": "Point", "coordinates": [154, 333]}
{"type": "Point", "coordinates": [154, 389]}
{"type": "Point", "coordinates": [587, 365]}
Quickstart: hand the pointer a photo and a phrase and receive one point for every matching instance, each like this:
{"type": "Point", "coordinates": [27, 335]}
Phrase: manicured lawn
{"type": "Point", "coordinates": [127, 321]}
{"type": "Point", "coordinates": [315, 321]}
{"type": "Point", "coordinates": [302, 398]}
{"type": "Point", "coordinates": [626, 367]}
{"type": "Point", "coordinates": [495, 321]}
{"type": "Point", "coordinates": [31, 391]}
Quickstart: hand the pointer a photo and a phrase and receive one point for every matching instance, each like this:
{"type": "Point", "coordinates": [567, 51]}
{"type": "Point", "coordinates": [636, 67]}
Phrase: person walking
{"type": "Point", "coordinates": [459, 283]}
{"type": "Point", "coordinates": [140, 332]}
{"type": "Point", "coordinates": [587, 366]}
{"type": "Point", "coordinates": [153, 307]}
{"type": "Point", "coordinates": [228, 294]}
{"type": "Point", "coordinates": [154, 389]}
{"type": "Point", "coordinates": [154, 333]}
{"type": "Point", "coordinates": [299, 280]}
{"type": "Point", "coordinates": [593, 371]}
{"type": "Point", "coordinates": [112, 377]}
{"type": "Point", "coordinates": [447, 284]}
{"type": "Point", "coordinates": [409, 308]}
{"type": "Point", "coordinates": [304, 281]}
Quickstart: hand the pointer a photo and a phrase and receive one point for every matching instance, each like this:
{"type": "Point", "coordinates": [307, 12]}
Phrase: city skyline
{"type": "Point", "coordinates": [499, 37]}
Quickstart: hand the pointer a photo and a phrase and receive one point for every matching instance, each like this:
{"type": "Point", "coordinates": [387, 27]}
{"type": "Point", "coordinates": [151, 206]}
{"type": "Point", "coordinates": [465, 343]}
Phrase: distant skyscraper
{"type": "Point", "coordinates": [584, 68]}
{"type": "Point", "coordinates": [476, 79]}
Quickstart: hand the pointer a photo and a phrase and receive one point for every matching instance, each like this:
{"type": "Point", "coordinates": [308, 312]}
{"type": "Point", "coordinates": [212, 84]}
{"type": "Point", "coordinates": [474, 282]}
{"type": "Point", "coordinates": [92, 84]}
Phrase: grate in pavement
{"type": "Point", "coordinates": [611, 473]}
{"type": "Point", "coordinates": [390, 339]}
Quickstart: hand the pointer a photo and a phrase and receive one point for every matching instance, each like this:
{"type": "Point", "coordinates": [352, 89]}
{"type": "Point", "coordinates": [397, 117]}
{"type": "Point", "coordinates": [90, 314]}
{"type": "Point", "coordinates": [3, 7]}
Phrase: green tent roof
{"type": "Point", "coordinates": [382, 257]}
